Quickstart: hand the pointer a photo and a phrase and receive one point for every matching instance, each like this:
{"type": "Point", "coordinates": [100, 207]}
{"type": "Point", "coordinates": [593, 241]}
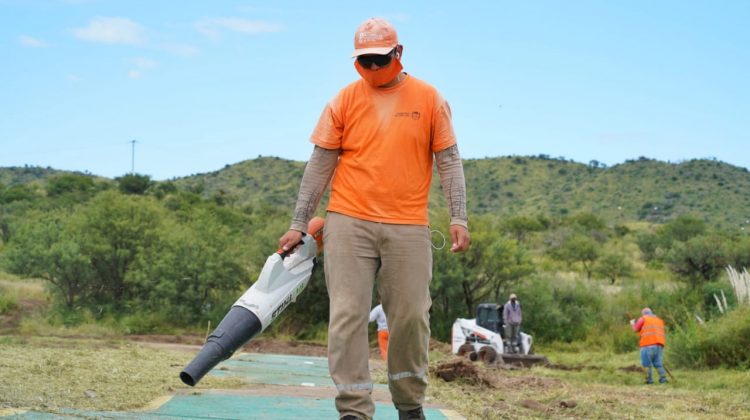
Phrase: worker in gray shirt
{"type": "Point", "coordinates": [512, 318]}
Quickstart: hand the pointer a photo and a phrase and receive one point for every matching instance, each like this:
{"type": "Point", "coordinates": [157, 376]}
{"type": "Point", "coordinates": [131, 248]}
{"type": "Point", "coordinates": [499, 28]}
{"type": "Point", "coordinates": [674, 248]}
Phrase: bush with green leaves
{"type": "Point", "coordinates": [579, 248]}
{"type": "Point", "coordinates": [558, 310]}
{"type": "Point", "coordinates": [714, 290]}
{"type": "Point", "coordinates": [613, 266]}
{"type": "Point", "coordinates": [118, 254]}
{"type": "Point", "coordinates": [720, 342]}
{"type": "Point", "coordinates": [699, 259]}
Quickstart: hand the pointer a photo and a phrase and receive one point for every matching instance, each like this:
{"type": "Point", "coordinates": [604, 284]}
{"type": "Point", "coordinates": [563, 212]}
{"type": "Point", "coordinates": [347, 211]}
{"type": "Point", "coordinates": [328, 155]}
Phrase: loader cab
{"type": "Point", "coordinates": [490, 316]}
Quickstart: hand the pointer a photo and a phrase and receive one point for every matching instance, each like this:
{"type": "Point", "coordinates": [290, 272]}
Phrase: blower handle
{"type": "Point", "coordinates": [315, 230]}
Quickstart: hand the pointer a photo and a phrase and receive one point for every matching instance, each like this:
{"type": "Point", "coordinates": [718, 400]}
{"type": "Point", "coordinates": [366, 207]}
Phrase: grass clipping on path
{"type": "Point", "coordinates": [48, 374]}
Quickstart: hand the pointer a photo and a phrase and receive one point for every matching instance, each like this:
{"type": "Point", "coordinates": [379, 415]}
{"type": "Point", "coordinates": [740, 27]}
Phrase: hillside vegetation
{"type": "Point", "coordinates": [586, 246]}
{"type": "Point", "coordinates": [637, 190]}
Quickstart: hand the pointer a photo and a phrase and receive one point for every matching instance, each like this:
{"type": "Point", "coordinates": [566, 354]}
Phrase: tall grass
{"type": "Point", "coordinates": [720, 342]}
{"type": "Point", "coordinates": [741, 284]}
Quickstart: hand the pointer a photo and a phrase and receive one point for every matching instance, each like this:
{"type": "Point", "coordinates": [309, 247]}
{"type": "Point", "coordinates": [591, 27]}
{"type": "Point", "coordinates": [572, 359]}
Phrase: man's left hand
{"type": "Point", "coordinates": [460, 238]}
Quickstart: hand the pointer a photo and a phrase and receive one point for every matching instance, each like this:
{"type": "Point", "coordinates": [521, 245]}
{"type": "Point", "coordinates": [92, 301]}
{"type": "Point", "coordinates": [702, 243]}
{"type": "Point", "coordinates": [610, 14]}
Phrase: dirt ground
{"type": "Point", "coordinates": [493, 376]}
{"type": "Point", "coordinates": [448, 370]}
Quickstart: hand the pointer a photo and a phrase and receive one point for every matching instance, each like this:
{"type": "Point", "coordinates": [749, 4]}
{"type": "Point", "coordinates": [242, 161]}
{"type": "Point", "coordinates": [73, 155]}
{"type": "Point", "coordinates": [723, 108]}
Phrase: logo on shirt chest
{"type": "Point", "coordinates": [415, 115]}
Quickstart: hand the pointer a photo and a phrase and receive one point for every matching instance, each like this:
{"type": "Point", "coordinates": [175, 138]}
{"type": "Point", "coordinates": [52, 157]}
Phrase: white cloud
{"type": "Point", "coordinates": [112, 30]}
{"type": "Point", "coordinates": [135, 74]}
{"type": "Point", "coordinates": [211, 27]}
{"type": "Point", "coordinates": [74, 78]}
{"type": "Point", "coordinates": [30, 41]}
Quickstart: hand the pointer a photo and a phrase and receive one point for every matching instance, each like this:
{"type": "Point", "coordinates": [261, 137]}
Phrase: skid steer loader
{"type": "Point", "coordinates": [482, 339]}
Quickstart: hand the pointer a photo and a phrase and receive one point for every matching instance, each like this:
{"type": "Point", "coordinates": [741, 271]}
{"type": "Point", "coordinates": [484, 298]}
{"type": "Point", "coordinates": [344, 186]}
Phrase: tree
{"type": "Point", "coordinates": [196, 273]}
{"type": "Point", "coordinates": [579, 248]}
{"type": "Point", "coordinates": [589, 222]}
{"type": "Point", "coordinates": [114, 229]}
{"type": "Point", "coordinates": [613, 266]}
{"type": "Point", "coordinates": [69, 183]}
{"type": "Point", "coordinates": [520, 226]}
{"type": "Point", "coordinates": [118, 253]}
{"type": "Point", "coordinates": [699, 259]}
{"type": "Point", "coordinates": [134, 183]}
{"type": "Point", "coordinates": [648, 243]}
{"type": "Point", "coordinates": [19, 192]}
{"type": "Point", "coordinates": [741, 253]}
{"type": "Point", "coordinates": [682, 229]}
{"type": "Point", "coordinates": [46, 248]}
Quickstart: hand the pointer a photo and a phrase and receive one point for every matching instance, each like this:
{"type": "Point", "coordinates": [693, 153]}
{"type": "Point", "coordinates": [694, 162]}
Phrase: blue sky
{"type": "Point", "coordinates": [203, 84]}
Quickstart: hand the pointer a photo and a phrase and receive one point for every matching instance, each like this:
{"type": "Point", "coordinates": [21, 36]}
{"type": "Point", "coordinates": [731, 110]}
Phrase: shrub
{"type": "Point", "coordinates": [716, 288]}
{"type": "Point", "coordinates": [557, 311]}
{"type": "Point", "coordinates": [721, 342]}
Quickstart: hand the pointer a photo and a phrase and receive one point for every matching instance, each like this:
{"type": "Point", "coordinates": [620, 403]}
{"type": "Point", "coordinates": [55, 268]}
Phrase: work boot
{"type": "Point", "coordinates": [662, 380]}
{"type": "Point", "coordinates": [415, 414]}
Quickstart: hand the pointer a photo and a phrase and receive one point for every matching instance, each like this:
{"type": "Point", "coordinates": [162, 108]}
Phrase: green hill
{"type": "Point", "coordinates": [636, 190]}
{"type": "Point", "coordinates": [643, 189]}
{"type": "Point", "coordinates": [36, 175]}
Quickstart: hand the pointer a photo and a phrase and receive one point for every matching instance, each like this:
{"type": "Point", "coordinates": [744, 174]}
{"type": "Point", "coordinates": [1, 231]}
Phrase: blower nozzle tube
{"type": "Point", "coordinates": [237, 328]}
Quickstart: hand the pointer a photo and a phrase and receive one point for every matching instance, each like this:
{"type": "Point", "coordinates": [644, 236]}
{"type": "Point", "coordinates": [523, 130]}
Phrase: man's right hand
{"type": "Point", "coordinates": [290, 239]}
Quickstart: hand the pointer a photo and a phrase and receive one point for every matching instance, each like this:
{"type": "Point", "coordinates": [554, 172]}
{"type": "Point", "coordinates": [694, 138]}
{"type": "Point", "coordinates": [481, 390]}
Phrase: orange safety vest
{"type": "Point", "coordinates": [652, 331]}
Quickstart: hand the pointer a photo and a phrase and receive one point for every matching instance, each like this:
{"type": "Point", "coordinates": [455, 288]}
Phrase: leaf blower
{"type": "Point", "coordinates": [284, 276]}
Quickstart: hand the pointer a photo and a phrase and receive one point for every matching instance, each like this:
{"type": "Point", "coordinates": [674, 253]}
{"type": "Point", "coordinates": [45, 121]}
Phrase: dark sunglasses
{"type": "Point", "coordinates": [368, 60]}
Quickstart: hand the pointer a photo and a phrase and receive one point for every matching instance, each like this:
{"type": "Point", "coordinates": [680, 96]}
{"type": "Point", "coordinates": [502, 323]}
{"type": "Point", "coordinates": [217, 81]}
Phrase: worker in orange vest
{"type": "Point", "coordinates": [651, 329]}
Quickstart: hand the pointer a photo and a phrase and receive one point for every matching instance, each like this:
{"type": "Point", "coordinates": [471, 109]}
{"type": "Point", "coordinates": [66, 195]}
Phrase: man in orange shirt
{"type": "Point", "coordinates": [651, 329]}
{"type": "Point", "coordinates": [376, 142]}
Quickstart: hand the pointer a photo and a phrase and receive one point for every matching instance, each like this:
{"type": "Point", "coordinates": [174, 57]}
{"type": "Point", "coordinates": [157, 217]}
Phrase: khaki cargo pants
{"type": "Point", "coordinates": [400, 257]}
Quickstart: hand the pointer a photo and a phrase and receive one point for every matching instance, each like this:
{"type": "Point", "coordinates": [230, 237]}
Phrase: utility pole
{"type": "Point", "coordinates": [132, 158]}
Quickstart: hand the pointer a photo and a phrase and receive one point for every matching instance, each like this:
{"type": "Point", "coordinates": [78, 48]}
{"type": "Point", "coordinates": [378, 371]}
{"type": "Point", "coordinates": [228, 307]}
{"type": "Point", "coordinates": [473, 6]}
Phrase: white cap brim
{"type": "Point", "coordinates": [374, 50]}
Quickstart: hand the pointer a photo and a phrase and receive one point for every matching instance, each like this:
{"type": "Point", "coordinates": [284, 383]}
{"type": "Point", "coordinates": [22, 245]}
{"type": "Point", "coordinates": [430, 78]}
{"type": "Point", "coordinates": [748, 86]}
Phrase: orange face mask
{"type": "Point", "coordinates": [382, 75]}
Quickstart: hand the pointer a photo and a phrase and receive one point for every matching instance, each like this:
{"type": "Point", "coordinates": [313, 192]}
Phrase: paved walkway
{"type": "Point", "coordinates": [278, 387]}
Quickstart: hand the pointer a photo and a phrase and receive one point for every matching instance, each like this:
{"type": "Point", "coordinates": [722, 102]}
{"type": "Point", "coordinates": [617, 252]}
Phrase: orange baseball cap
{"type": "Point", "coordinates": [374, 36]}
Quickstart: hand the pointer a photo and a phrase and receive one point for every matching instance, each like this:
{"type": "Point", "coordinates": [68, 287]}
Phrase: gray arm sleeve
{"type": "Point", "coordinates": [451, 172]}
{"type": "Point", "coordinates": [318, 173]}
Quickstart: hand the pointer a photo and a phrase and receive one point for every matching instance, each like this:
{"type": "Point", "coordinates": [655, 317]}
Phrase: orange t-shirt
{"type": "Point", "coordinates": [387, 139]}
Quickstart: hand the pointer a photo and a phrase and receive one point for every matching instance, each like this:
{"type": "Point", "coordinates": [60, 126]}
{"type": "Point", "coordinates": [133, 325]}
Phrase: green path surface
{"type": "Point", "coordinates": [216, 406]}
{"type": "Point", "coordinates": [283, 375]}
{"type": "Point", "coordinates": [277, 369]}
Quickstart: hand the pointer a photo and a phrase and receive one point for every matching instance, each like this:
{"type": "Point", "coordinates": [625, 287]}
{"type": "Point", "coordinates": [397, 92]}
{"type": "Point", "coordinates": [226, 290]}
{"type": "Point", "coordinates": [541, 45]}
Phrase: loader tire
{"type": "Point", "coordinates": [465, 349]}
{"type": "Point", "coordinates": [487, 354]}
